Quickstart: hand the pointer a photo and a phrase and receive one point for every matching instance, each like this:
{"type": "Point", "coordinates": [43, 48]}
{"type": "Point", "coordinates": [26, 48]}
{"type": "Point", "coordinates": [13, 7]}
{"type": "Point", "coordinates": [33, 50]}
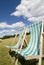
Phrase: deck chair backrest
{"type": "Point", "coordinates": [18, 43]}
{"type": "Point", "coordinates": [33, 46]}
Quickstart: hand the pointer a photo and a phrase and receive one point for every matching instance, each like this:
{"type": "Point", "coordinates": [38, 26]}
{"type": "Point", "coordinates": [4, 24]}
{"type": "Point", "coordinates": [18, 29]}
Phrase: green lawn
{"type": "Point", "coordinates": [4, 56]}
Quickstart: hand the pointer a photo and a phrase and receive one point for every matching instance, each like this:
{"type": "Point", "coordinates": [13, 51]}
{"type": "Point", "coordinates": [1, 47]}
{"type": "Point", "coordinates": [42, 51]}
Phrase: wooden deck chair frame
{"type": "Point", "coordinates": [19, 41]}
{"type": "Point", "coordinates": [40, 55]}
{"type": "Point", "coordinates": [41, 47]}
{"type": "Point", "coordinates": [21, 44]}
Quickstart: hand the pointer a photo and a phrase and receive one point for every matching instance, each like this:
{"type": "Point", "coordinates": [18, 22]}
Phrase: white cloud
{"type": "Point", "coordinates": [31, 9]}
{"type": "Point", "coordinates": [3, 25]}
{"type": "Point", "coordinates": [0, 32]}
{"type": "Point", "coordinates": [11, 29]}
{"type": "Point", "coordinates": [7, 31]}
{"type": "Point", "coordinates": [14, 25]}
{"type": "Point", "coordinates": [36, 19]}
{"type": "Point", "coordinates": [18, 24]}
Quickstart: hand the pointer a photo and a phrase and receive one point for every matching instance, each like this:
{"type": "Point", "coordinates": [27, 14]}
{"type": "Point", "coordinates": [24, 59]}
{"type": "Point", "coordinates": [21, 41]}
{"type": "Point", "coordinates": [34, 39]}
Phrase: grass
{"type": "Point", "coordinates": [4, 56]}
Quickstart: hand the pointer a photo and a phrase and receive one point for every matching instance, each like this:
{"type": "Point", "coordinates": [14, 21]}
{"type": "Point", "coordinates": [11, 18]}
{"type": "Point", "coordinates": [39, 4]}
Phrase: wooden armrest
{"type": "Point", "coordinates": [15, 49]}
{"type": "Point", "coordinates": [34, 57]}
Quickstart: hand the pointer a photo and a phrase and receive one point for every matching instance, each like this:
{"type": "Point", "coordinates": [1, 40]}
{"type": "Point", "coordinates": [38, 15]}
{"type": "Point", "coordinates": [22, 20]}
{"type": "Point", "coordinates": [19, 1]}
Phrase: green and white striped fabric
{"type": "Point", "coordinates": [19, 41]}
{"type": "Point", "coordinates": [33, 47]}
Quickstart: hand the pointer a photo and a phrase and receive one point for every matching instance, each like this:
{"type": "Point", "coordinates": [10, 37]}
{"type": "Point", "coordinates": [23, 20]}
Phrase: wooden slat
{"type": "Point", "coordinates": [43, 34]}
{"type": "Point", "coordinates": [34, 57]}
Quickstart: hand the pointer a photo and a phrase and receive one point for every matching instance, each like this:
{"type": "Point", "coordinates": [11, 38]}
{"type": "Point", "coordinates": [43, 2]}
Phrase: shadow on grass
{"type": "Point", "coordinates": [22, 60]}
{"type": "Point", "coordinates": [26, 62]}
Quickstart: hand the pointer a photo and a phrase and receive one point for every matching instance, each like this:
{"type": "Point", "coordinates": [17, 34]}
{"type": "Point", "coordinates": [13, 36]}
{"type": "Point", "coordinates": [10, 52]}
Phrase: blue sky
{"type": "Point", "coordinates": [8, 23]}
{"type": "Point", "coordinates": [15, 14]}
{"type": "Point", "coordinates": [6, 8]}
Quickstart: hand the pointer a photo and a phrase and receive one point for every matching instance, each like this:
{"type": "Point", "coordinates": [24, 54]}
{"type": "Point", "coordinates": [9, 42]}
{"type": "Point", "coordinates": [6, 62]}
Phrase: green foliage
{"type": "Point", "coordinates": [9, 36]}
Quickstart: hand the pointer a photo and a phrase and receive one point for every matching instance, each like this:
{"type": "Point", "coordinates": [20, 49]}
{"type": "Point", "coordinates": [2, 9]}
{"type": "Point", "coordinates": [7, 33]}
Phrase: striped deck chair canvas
{"type": "Point", "coordinates": [18, 43]}
{"type": "Point", "coordinates": [33, 47]}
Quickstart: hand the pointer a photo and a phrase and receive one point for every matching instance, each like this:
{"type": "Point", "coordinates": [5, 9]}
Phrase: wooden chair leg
{"type": "Point", "coordinates": [16, 62]}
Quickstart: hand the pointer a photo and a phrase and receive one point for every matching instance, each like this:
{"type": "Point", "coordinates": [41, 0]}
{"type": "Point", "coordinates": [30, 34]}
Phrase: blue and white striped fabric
{"type": "Point", "coordinates": [33, 46]}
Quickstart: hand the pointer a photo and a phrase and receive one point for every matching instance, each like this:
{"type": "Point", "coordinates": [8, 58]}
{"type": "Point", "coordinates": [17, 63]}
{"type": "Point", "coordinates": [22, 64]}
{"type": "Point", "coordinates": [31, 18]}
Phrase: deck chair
{"type": "Point", "coordinates": [22, 31]}
{"type": "Point", "coordinates": [34, 48]}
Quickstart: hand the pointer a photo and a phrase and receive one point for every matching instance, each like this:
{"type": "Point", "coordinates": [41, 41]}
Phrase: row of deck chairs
{"type": "Point", "coordinates": [33, 49]}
